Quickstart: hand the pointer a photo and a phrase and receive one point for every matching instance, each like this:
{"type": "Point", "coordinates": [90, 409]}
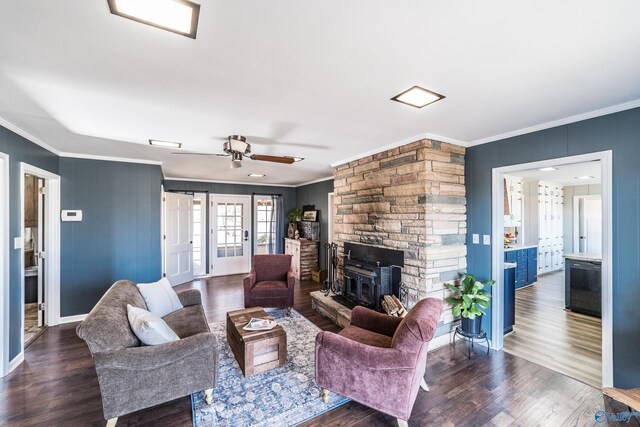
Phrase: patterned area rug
{"type": "Point", "coordinates": [284, 396]}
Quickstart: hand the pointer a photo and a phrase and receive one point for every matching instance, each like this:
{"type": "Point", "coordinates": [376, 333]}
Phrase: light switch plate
{"type": "Point", "coordinates": [17, 243]}
{"type": "Point", "coordinates": [486, 239]}
{"type": "Point", "coordinates": [476, 239]}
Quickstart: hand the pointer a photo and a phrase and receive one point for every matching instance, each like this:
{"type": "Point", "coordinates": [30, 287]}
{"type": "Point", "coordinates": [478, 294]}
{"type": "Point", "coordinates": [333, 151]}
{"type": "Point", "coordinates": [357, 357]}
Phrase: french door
{"type": "Point", "coordinates": [230, 248]}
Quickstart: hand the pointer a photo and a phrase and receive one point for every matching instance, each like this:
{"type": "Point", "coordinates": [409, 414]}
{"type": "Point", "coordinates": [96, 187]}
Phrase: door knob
{"type": "Point", "coordinates": [246, 235]}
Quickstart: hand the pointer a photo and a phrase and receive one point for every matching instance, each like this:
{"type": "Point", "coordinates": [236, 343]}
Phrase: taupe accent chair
{"type": "Point", "coordinates": [133, 376]}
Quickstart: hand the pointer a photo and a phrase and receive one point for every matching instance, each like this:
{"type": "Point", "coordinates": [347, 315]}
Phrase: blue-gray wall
{"type": "Point", "coordinates": [19, 150]}
{"type": "Point", "coordinates": [619, 132]}
{"type": "Point", "coordinates": [316, 194]}
{"type": "Point", "coordinates": [288, 194]}
{"type": "Point", "coordinates": [119, 235]}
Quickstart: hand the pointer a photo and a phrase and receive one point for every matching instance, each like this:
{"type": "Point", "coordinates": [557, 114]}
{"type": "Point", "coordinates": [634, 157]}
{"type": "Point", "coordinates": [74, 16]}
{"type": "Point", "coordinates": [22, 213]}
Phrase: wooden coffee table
{"type": "Point", "coordinates": [255, 351]}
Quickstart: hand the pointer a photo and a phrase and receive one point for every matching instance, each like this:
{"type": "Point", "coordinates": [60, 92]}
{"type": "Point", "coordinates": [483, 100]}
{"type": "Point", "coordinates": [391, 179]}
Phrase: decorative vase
{"type": "Point", "coordinates": [291, 230]}
{"type": "Point", "coordinates": [471, 326]}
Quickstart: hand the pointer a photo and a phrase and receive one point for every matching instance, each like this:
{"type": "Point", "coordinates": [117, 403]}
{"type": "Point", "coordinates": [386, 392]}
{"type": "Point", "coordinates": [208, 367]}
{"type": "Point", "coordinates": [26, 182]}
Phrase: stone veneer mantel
{"type": "Point", "coordinates": [410, 198]}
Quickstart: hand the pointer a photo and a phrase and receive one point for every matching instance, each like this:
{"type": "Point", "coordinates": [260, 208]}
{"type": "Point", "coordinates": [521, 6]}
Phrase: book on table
{"type": "Point", "coordinates": [256, 324]}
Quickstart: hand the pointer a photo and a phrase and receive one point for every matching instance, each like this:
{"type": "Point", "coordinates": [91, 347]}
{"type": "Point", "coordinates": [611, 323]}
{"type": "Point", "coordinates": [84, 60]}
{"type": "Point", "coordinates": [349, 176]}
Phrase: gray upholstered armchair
{"type": "Point", "coordinates": [133, 376]}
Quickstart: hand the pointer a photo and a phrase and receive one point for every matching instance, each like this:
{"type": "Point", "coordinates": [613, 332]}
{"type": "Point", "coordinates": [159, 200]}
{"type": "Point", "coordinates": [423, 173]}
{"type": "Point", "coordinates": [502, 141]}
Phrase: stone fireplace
{"type": "Point", "coordinates": [412, 199]}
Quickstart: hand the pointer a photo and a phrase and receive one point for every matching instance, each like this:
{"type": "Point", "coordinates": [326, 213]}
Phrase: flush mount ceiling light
{"type": "Point", "coordinates": [585, 177]}
{"type": "Point", "coordinates": [418, 97]}
{"type": "Point", "coordinates": [548, 169]}
{"type": "Point", "coordinates": [164, 144]}
{"type": "Point", "coordinates": [177, 16]}
{"type": "Point", "coordinates": [256, 175]}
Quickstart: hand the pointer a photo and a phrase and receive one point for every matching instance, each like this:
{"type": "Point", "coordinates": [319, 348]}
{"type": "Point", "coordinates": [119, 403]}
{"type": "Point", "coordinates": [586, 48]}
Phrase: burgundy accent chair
{"type": "Point", "coordinates": [270, 283]}
{"type": "Point", "coordinates": [379, 360]}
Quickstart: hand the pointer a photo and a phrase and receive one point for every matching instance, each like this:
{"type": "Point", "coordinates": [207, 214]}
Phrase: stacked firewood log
{"type": "Point", "coordinates": [393, 306]}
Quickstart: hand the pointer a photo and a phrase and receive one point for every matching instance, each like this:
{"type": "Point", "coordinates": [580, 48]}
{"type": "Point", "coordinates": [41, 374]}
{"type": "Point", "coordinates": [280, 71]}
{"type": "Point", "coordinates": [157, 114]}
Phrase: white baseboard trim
{"type": "Point", "coordinates": [72, 319]}
{"type": "Point", "coordinates": [16, 362]}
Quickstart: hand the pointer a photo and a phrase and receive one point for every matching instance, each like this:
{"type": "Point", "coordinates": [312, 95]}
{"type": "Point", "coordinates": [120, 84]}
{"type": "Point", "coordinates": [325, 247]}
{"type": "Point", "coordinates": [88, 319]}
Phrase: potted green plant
{"type": "Point", "coordinates": [469, 300]}
{"type": "Point", "coordinates": [295, 215]}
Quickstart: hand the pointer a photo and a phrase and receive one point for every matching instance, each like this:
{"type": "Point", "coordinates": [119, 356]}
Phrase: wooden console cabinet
{"type": "Point", "coordinates": [304, 255]}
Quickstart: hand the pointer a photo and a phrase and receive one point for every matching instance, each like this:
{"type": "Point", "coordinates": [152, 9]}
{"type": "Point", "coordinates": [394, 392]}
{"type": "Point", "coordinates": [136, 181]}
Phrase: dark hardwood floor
{"type": "Point", "coordinates": [57, 386]}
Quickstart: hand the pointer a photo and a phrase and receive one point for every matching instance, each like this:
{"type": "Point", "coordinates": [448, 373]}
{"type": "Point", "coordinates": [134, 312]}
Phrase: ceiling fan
{"type": "Point", "coordinates": [238, 148]}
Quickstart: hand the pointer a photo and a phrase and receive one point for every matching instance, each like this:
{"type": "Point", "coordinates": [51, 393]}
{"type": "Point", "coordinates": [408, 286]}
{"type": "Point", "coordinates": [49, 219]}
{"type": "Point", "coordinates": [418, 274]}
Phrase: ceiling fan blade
{"type": "Point", "coordinates": [275, 159]}
{"type": "Point", "coordinates": [203, 154]}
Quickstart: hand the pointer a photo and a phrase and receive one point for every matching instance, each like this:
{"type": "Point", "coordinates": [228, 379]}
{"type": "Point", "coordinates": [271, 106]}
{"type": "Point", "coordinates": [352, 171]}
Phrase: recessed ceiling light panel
{"type": "Point", "coordinates": [165, 144]}
{"type": "Point", "coordinates": [418, 97]}
{"type": "Point", "coordinates": [177, 16]}
{"type": "Point", "coordinates": [257, 175]}
{"type": "Point", "coordinates": [585, 177]}
{"type": "Point", "coordinates": [548, 169]}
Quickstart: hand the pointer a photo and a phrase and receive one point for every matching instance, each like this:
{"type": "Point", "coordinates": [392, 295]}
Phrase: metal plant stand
{"type": "Point", "coordinates": [470, 338]}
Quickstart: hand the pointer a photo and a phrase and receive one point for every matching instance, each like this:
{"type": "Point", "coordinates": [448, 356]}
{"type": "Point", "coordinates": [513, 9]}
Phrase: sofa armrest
{"type": "Point", "coordinates": [356, 353]}
{"type": "Point", "coordinates": [249, 280]}
{"type": "Point", "coordinates": [147, 358]}
{"type": "Point", "coordinates": [291, 279]}
{"type": "Point", "coordinates": [190, 297]}
{"type": "Point", "coordinates": [373, 321]}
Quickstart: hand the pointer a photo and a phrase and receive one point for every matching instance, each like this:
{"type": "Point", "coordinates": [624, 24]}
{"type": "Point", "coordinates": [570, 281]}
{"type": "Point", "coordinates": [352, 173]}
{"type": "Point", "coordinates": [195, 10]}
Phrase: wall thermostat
{"type": "Point", "coordinates": [71, 215]}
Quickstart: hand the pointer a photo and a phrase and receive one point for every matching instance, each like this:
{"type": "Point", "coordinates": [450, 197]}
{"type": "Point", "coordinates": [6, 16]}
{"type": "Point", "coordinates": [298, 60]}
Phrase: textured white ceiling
{"type": "Point", "coordinates": [306, 78]}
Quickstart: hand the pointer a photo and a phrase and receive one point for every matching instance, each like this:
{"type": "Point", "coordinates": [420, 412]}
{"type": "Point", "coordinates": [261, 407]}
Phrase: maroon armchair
{"type": "Point", "coordinates": [379, 360]}
{"type": "Point", "coordinates": [270, 283]}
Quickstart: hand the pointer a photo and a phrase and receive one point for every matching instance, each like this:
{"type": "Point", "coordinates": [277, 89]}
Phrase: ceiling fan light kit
{"type": "Point", "coordinates": [237, 148]}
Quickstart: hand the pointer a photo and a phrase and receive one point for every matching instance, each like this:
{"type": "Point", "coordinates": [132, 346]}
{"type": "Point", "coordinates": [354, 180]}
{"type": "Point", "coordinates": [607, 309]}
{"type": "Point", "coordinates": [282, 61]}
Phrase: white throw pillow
{"type": "Point", "coordinates": [160, 297]}
{"type": "Point", "coordinates": [149, 328]}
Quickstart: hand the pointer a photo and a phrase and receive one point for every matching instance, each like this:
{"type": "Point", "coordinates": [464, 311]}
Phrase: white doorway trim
{"type": "Point", "coordinates": [4, 264]}
{"type": "Point", "coordinates": [497, 261]}
{"type": "Point", "coordinates": [51, 245]}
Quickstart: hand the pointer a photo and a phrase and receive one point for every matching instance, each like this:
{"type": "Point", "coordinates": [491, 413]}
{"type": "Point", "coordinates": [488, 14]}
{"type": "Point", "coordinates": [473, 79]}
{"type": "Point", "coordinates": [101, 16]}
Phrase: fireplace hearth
{"type": "Point", "coordinates": [369, 273]}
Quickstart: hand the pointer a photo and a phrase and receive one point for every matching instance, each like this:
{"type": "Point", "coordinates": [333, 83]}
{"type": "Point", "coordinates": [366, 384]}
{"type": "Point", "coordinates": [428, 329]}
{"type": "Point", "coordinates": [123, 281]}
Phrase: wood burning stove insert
{"type": "Point", "coordinates": [369, 273]}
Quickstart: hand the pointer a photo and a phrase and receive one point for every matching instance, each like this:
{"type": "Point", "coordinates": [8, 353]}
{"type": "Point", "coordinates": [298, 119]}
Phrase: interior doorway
{"type": "Point", "coordinates": [39, 245]}
{"type": "Point", "coordinates": [587, 224]}
{"type": "Point", "coordinates": [230, 221]}
{"type": "Point", "coordinates": [538, 312]}
{"type": "Point", "coordinates": [33, 227]}
{"type": "Point", "coordinates": [199, 234]}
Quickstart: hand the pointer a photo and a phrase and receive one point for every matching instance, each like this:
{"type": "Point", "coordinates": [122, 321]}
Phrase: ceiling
{"type": "Point", "coordinates": [565, 174]}
{"type": "Point", "coordinates": [308, 79]}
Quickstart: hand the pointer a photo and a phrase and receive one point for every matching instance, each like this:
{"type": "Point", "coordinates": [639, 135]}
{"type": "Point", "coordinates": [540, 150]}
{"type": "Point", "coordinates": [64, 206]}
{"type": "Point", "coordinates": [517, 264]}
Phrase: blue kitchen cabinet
{"type": "Point", "coordinates": [527, 269]}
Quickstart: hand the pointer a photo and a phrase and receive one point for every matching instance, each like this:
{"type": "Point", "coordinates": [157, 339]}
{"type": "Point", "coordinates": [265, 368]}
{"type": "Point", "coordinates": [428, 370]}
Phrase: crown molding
{"type": "Point", "coordinates": [214, 181]}
{"type": "Point", "coordinates": [565, 121]}
{"type": "Point", "coordinates": [315, 181]}
{"type": "Point", "coordinates": [26, 135]}
{"type": "Point", "coordinates": [400, 143]}
{"type": "Point", "coordinates": [109, 158]}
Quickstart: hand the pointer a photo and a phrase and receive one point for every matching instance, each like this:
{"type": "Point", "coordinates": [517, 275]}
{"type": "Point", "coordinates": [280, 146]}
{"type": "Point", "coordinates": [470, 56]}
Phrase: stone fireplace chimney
{"type": "Point", "coordinates": [409, 198]}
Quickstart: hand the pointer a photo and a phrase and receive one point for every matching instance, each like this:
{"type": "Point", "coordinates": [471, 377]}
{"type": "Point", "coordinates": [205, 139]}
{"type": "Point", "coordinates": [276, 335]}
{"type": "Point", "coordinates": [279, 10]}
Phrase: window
{"type": "Point", "coordinates": [265, 231]}
{"type": "Point", "coordinates": [229, 242]}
